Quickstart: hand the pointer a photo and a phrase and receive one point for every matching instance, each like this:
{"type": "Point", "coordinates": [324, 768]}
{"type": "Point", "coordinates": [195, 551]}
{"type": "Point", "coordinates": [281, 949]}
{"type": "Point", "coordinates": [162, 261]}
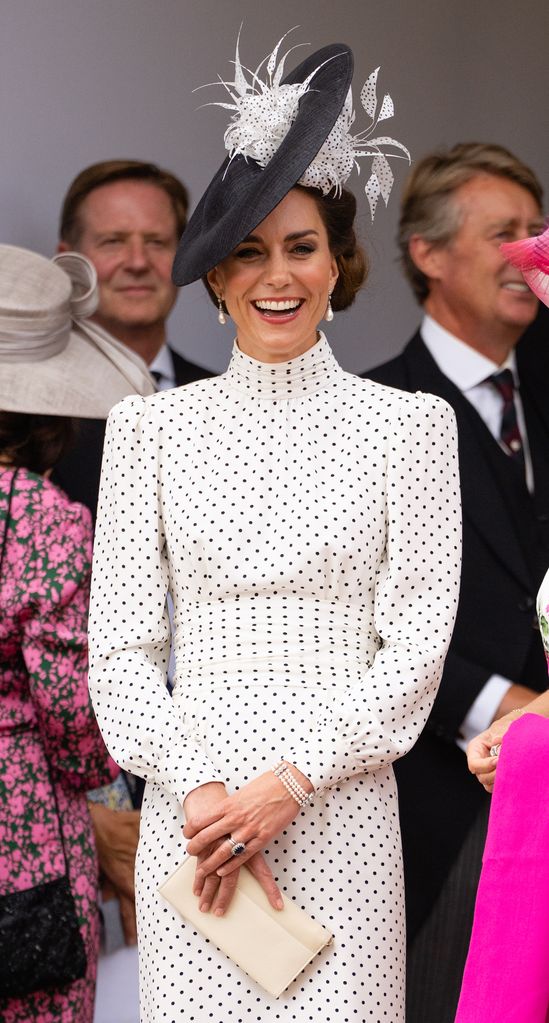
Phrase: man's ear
{"type": "Point", "coordinates": [63, 246]}
{"type": "Point", "coordinates": [427, 256]}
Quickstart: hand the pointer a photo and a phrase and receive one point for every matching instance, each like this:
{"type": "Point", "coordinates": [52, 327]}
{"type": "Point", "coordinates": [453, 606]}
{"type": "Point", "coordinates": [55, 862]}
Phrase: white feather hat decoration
{"type": "Point", "coordinates": [264, 110]}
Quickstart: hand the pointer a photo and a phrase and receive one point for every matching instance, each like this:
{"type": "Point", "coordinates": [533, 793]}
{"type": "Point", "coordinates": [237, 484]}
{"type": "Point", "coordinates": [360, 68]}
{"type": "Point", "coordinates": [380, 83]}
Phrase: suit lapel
{"type": "Point", "coordinates": [533, 370]}
{"type": "Point", "coordinates": [532, 354]}
{"type": "Point", "coordinates": [484, 502]}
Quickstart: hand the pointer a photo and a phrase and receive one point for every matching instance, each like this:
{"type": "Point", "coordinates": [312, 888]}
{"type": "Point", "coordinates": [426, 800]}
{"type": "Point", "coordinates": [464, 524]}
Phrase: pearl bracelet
{"type": "Point", "coordinates": [291, 784]}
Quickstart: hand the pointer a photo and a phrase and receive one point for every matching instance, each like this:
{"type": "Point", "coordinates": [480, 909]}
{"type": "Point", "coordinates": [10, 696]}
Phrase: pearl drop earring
{"type": "Point", "coordinates": [221, 318]}
{"type": "Point", "coordinates": [329, 314]}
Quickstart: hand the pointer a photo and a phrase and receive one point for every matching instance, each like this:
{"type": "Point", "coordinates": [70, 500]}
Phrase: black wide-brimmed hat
{"type": "Point", "coordinates": [242, 193]}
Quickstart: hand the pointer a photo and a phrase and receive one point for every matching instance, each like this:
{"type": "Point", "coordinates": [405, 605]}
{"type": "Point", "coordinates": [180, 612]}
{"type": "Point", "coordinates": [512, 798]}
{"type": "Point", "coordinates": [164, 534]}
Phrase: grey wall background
{"type": "Point", "coordinates": [85, 80]}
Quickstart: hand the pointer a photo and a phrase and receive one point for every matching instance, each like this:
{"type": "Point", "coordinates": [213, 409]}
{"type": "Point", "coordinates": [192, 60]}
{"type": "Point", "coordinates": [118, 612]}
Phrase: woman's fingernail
{"type": "Point", "coordinates": [279, 904]}
{"type": "Point", "coordinates": [204, 907]}
{"type": "Point", "coordinates": [219, 912]}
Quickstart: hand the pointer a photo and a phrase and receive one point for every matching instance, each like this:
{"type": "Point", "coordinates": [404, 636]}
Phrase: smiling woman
{"type": "Point", "coordinates": [276, 285]}
{"type": "Point", "coordinates": [308, 240]}
{"type": "Point", "coordinates": [311, 621]}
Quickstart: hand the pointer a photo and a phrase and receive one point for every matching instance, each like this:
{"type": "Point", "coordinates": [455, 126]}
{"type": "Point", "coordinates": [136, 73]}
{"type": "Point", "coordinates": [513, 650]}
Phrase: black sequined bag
{"type": "Point", "coordinates": [40, 942]}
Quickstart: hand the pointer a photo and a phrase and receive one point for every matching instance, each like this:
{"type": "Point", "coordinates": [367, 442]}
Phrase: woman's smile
{"type": "Point", "coordinates": [278, 310]}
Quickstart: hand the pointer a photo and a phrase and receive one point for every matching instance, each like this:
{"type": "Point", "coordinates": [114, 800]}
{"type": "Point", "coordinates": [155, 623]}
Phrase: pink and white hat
{"type": "Point", "coordinates": [531, 257]}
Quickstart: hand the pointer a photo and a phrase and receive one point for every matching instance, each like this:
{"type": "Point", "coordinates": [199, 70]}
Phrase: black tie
{"type": "Point", "coordinates": [157, 377]}
{"type": "Point", "coordinates": [509, 431]}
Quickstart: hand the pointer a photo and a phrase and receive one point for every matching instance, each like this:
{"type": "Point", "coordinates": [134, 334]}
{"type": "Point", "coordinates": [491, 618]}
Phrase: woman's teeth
{"type": "Point", "coordinates": [283, 306]}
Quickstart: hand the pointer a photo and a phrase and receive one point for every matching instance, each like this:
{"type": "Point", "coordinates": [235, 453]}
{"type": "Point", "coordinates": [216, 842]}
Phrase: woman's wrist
{"type": "Point", "coordinates": [297, 785]}
{"type": "Point", "coordinates": [303, 780]}
{"type": "Point", "coordinates": [204, 796]}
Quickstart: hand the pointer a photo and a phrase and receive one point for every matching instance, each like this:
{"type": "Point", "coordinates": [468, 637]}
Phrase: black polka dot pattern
{"type": "Point", "coordinates": [307, 525]}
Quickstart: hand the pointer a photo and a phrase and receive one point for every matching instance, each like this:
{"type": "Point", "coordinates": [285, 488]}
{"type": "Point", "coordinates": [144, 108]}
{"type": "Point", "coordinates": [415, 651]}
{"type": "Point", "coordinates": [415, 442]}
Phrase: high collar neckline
{"type": "Point", "coordinates": [296, 378]}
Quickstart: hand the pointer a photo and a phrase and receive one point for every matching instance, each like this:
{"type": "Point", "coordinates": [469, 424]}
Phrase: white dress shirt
{"type": "Point", "coordinates": [468, 370]}
{"type": "Point", "coordinates": [162, 369]}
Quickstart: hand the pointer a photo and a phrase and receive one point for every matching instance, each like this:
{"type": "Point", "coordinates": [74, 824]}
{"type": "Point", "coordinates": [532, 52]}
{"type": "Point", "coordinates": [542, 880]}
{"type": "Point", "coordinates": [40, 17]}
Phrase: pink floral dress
{"type": "Point", "coordinates": [45, 709]}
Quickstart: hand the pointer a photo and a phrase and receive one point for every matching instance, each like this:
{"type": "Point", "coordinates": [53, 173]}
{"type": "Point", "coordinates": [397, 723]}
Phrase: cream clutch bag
{"type": "Point", "coordinates": [271, 946]}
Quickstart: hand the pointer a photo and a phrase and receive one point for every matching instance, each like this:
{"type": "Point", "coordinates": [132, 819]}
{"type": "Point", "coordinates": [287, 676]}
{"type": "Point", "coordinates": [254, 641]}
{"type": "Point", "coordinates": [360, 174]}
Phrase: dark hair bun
{"type": "Point", "coordinates": [338, 214]}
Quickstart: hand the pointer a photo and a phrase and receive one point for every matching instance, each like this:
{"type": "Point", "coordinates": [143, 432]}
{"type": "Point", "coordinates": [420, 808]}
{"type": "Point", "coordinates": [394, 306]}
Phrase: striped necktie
{"type": "Point", "coordinates": [509, 434]}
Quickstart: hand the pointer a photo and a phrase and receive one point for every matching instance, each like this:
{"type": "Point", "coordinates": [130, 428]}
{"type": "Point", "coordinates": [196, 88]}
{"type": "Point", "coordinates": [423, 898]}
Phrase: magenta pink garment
{"type": "Point", "coordinates": [506, 976]}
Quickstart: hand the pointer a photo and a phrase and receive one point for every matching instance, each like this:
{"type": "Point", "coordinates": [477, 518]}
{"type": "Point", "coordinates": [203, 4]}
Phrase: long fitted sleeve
{"type": "Point", "coordinates": [416, 595]}
{"type": "Point", "coordinates": [129, 624]}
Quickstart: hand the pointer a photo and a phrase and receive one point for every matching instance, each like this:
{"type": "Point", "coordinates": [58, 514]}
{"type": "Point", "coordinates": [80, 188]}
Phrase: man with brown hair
{"type": "Point", "coordinates": [127, 217]}
{"type": "Point", "coordinates": [458, 206]}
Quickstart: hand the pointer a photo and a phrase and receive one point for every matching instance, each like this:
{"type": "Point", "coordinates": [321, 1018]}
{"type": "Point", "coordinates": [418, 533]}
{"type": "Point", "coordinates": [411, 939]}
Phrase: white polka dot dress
{"type": "Point", "coordinates": [307, 525]}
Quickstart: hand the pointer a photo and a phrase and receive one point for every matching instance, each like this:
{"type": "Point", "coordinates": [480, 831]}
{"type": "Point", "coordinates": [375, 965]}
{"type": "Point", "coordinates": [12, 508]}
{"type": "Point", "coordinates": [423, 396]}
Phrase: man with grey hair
{"type": "Point", "coordinates": [458, 206]}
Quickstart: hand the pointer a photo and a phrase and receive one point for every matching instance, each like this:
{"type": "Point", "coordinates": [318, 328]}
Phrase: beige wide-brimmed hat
{"type": "Point", "coordinates": [53, 359]}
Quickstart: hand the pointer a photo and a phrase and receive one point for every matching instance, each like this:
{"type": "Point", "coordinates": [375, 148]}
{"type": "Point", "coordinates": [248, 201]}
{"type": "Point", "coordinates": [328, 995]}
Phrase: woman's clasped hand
{"type": "Point", "coordinates": [253, 815]}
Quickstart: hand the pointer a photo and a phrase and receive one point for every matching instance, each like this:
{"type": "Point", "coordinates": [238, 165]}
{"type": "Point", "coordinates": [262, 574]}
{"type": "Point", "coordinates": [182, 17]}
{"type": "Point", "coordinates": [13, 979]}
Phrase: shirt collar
{"type": "Point", "coordinates": [297, 378]}
{"type": "Point", "coordinates": [463, 365]}
{"type": "Point", "coordinates": [162, 363]}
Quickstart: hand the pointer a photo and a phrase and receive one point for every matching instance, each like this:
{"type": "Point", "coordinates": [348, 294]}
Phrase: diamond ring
{"type": "Point", "coordinates": [494, 750]}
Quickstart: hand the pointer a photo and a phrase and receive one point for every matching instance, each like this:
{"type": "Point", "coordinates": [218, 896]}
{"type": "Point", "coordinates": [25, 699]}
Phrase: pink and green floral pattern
{"type": "Point", "coordinates": [45, 709]}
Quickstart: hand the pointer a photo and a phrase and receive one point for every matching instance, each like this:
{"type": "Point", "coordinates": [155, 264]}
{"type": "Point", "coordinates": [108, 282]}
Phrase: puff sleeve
{"type": "Point", "coordinates": [129, 626]}
{"type": "Point", "coordinates": [416, 596]}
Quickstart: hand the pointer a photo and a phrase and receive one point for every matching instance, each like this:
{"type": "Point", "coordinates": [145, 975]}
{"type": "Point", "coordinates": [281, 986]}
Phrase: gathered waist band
{"type": "Point", "coordinates": [272, 638]}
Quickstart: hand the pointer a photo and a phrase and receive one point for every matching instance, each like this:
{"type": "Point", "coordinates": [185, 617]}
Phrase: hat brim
{"type": "Point", "coordinates": [242, 194]}
{"type": "Point", "coordinates": [84, 380]}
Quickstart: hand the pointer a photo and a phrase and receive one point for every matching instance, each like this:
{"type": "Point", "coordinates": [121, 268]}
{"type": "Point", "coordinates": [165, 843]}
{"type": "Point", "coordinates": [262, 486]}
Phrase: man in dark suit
{"type": "Point", "coordinates": [127, 217]}
{"type": "Point", "coordinates": [457, 208]}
